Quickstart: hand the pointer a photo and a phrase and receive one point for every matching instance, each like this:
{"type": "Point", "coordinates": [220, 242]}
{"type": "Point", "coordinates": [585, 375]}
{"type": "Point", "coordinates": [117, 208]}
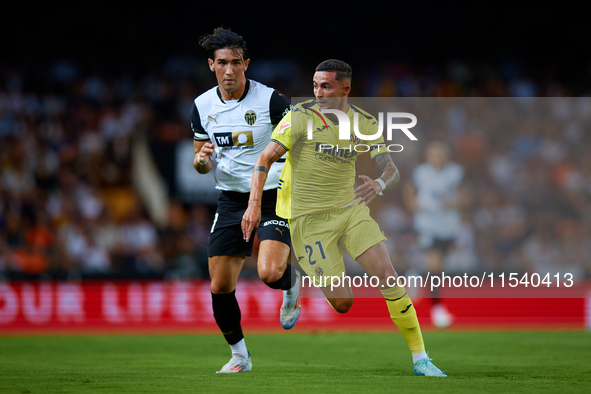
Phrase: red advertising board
{"type": "Point", "coordinates": [110, 306]}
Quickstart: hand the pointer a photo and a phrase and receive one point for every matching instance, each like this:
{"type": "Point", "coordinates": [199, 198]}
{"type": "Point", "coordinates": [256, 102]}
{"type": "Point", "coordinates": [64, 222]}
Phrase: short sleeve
{"type": "Point", "coordinates": [199, 133]}
{"type": "Point", "coordinates": [377, 145]}
{"type": "Point", "coordinates": [282, 132]}
{"type": "Point", "coordinates": [279, 106]}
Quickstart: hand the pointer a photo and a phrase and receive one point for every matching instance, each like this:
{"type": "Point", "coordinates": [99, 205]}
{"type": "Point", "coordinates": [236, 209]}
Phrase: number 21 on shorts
{"type": "Point", "coordinates": [310, 251]}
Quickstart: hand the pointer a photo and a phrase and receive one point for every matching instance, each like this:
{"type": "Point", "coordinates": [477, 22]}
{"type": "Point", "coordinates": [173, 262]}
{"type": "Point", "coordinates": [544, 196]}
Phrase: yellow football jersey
{"type": "Point", "coordinates": [319, 172]}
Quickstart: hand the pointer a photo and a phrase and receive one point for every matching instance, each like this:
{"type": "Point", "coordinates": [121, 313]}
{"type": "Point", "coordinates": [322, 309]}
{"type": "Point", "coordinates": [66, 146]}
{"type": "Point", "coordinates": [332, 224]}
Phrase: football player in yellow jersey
{"type": "Point", "coordinates": [327, 214]}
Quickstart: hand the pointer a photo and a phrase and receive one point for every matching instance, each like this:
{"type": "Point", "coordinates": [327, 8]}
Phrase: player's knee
{"type": "Point", "coordinates": [385, 272]}
{"type": "Point", "coordinates": [342, 305]}
{"type": "Point", "coordinates": [221, 287]}
{"type": "Point", "coordinates": [270, 275]}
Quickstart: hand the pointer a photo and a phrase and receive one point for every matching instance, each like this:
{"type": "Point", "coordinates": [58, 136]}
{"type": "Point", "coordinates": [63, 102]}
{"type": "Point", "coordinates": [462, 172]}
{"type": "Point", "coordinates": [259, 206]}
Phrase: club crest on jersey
{"type": "Point", "coordinates": [250, 116]}
{"type": "Point", "coordinates": [354, 139]}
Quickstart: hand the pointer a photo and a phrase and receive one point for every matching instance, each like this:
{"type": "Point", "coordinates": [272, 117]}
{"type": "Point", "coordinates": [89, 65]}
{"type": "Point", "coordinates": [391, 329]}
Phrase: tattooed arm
{"type": "Point", "coordinates": [390, 175]}
{"type": "Point", "coordinates": [372, 188]}
{"type": "Point", "coordinates": [252, 216]}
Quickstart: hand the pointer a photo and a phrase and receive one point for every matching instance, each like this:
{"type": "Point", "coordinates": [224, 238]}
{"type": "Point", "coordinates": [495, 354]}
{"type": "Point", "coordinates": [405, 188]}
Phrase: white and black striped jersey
{"type": "Point", "coordinates": [240, 129]}
{"type": "Point", "coordinates": [433, 188]}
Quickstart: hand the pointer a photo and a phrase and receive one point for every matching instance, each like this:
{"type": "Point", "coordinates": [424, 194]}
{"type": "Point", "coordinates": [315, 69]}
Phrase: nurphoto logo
{"type": "Point", "coordinates": [345, 125]}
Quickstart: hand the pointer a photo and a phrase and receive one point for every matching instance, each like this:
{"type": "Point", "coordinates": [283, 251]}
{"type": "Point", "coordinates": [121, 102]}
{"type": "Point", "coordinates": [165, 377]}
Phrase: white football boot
{"type": "Point", "coordinates": [291, 308]}
{"type": "Point", "coordinates": [237, 364]}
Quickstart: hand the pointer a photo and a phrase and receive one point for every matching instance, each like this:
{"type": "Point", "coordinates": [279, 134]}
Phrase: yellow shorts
{"type": "Point", "coordinates": [317, 239]}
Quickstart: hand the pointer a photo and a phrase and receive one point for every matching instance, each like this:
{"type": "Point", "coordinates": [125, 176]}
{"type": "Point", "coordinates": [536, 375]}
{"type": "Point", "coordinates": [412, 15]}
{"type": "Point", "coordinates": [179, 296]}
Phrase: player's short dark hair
{"type": "Point", "coordinates": [222, 38]}
{"type": "Point", "coordinates": [342, 69]}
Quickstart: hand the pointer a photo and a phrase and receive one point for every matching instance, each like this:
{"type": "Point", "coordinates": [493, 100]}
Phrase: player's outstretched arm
{"type": "Point", "coordinates": [372, 188]}
{"type": "Point", "coordinates": [252, 216]}
{"type": "Point", "coordinates": [203, 152]}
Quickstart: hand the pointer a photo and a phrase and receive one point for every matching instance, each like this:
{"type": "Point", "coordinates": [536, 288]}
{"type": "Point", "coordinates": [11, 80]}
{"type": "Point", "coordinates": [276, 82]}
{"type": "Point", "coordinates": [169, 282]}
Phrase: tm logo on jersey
{"type": "Point", "coordinates": [234, 140]}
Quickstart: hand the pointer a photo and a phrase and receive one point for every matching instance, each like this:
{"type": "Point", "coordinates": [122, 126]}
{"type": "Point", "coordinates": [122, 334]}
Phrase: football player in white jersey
{"type": "Point", "coordinates": [232, 123]}
{"type": "Point", "coordinates": [437, 195]}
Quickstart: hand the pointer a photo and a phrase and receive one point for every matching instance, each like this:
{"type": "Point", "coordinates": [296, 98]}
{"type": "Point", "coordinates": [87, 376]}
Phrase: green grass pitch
{"type": "Point", "coordinates": [507, 362]}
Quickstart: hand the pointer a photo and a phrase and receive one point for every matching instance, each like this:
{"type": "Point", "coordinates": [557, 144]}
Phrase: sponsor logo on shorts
{"type": "Point", "coordinates": [275, 222]}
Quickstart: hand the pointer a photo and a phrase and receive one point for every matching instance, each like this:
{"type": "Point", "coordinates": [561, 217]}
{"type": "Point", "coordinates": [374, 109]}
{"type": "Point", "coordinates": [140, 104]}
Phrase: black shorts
{"type": "Point", "coordinates": [226, 236]}
{"type": "Point", "coordinates": [429, 242]}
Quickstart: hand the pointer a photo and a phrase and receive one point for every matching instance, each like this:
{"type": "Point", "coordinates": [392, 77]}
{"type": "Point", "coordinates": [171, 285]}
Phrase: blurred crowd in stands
{"type": "Point", "coordinates": [69, 210]}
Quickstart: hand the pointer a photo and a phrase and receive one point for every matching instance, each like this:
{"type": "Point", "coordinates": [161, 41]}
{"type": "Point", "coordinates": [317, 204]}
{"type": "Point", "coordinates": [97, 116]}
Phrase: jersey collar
{"type": "Point", "coordinates": [246, 88]}
{"type": "Point", "coordinates": [313, 103]}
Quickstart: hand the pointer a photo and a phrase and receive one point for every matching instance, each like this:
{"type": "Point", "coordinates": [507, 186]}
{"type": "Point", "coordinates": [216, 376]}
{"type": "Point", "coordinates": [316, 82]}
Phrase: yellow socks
{"type": "Point", "coordinates": [404, 315]}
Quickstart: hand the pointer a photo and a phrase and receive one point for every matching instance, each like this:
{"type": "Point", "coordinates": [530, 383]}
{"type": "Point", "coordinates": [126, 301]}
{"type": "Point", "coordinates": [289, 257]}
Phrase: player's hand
{"type": "Point", "coordinates": [251, 219]}
{"type": "Point", "coordinates": [206, 151]}
{"type": "Point", "coordinates": [368, 190]}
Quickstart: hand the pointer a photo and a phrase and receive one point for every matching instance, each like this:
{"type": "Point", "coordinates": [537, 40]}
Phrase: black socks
{"type": "Point", "coordinates": [227, 315]}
